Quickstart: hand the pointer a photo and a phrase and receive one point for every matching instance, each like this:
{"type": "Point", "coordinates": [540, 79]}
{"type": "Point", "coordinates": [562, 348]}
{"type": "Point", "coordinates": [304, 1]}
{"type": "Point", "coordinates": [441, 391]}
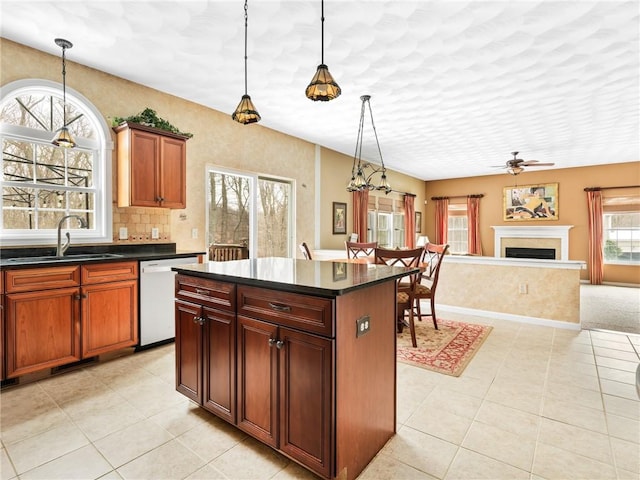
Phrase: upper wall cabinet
{"type": "Point", "coordinates": [151, 167]}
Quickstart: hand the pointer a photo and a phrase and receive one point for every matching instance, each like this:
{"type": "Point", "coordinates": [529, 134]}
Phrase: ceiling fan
{"type": "Point", "coordinates": [516, 165]}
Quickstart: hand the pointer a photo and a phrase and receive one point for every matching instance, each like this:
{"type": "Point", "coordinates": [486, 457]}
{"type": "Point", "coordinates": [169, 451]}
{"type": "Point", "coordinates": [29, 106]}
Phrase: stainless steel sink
{"type": "Point", "coordinates": [66, 258]}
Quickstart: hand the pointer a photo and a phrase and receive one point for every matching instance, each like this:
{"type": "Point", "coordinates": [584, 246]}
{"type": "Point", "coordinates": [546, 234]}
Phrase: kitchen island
{"type": "Point", "coordinates": [300, 354]}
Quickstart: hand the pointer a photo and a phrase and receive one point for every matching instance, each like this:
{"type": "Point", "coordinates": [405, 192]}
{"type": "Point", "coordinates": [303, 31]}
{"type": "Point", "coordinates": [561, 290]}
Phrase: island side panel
{"type": "Point", "coordinates": [365, 377]}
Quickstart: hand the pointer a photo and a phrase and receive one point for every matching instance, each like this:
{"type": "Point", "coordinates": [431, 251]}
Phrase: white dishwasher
{"type": "Point", "coordinates": [157, 296]}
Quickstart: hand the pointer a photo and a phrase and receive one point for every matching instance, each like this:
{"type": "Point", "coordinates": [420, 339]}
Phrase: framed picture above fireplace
{"type": "Point", "coordinates": [531, 202]}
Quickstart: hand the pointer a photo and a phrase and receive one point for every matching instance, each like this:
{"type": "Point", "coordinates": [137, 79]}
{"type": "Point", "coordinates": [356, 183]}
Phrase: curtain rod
{"type": "Point", "coordinates": [475, 195]}
{"type": "Point", "coordinates": [595, 189]}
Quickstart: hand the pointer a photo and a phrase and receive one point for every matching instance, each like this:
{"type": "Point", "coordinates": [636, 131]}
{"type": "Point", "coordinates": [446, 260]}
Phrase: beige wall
{"type": "Point", "coordinates": [572, 205]}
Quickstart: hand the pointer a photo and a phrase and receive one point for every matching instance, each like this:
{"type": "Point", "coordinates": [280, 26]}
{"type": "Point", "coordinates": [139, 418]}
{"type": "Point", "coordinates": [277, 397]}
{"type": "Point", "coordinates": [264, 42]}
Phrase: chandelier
{"type": "Point", "coordinates": [362, 173]}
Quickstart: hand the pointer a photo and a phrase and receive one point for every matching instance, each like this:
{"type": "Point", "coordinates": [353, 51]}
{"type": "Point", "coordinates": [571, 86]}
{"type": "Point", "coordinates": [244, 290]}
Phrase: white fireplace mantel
{"type": "Point", "coordinates": [557, 231]}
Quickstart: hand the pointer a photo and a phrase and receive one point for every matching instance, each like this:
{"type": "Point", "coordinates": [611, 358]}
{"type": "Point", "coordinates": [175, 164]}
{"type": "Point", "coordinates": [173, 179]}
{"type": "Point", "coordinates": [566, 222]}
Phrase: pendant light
{"type": "Point", "coordinates": [359, 179]}
{"type": "Point", "coordinates": [245, 112]}
{"type": "Point", "coordinates": [322, 87]}
{"type": "Point", "coordinates": [63, 137]}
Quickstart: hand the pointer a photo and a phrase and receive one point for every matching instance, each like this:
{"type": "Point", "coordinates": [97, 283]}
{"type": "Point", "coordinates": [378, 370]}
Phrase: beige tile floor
{"type": "Point", "coordinates": [535, 402]}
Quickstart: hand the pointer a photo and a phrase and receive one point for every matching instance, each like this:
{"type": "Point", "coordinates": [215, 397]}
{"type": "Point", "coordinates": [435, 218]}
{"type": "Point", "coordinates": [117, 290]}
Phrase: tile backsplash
{"type": "Point", "coordinates": [139, 221]}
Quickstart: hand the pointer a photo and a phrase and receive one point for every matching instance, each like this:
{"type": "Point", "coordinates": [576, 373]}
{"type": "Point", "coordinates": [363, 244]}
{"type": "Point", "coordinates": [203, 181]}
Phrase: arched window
{"type": "Point", "coordinates": [41, 183]}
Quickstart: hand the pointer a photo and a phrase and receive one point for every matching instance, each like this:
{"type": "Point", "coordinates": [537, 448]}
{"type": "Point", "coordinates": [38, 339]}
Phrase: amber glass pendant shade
{"type": "Point", "coordinates": [63, 138]}
{"type": "Point", "coordinates": [323, 87]}
{"type": "Point", "coordinates": [246, 112]}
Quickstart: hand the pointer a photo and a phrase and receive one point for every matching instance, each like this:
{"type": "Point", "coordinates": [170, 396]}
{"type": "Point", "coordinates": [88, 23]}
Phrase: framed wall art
{"type": "Point", "coordinates": [531, 202]}
{"type": "Point", "coordinates": [339, 218]}
{"type": "Point", "coordinates": [418, 222]}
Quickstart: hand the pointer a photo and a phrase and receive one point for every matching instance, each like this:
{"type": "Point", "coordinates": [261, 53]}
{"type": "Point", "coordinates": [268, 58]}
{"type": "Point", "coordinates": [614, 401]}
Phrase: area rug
{"type": "Point", "coordinates": [447, 350]}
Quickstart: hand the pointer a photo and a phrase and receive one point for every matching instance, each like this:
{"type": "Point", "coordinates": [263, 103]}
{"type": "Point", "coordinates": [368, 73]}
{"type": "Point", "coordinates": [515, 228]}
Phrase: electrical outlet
{"type": "Point", "coordinates": [155, 234]}
{"type": "Point", "coordinates": [524, 288]}
{"type": "Point", "coordinates": [194, 233]}
{"type": "Point", "coordinates": [363, 325]}
{"type": "Point", "coordinates": [123, 234]}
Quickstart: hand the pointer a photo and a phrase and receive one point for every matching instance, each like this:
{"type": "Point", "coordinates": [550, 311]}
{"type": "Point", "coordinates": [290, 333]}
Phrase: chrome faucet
{"type": "Point", "coordinates": [63, 248]}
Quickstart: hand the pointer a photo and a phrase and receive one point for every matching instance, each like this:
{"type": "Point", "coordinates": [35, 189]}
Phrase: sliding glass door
{"type": "Point", "coordinates": [250, 210]}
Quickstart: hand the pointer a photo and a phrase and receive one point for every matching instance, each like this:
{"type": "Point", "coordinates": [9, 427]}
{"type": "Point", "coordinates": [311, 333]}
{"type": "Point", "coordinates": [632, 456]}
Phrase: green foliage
{"type": "Point", "coordinates": [150, 118]}
{"type": "Point", "coordinates": [611, 250]}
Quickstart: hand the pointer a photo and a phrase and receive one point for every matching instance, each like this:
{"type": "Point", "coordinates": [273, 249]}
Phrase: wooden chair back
{"type": "Point", "coordinates": [406, 289]}
{"type": "Point", "coordinates": [306, 253]}
{"type": "Point", "coordinates": [432, 259]}
{"type": "Point", "coordinates": [360, 249]}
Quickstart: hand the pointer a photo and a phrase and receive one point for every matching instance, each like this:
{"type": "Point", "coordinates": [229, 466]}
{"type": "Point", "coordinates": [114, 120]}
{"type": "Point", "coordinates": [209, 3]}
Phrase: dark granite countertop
{"type": "Point", "coordinates": [320, 278]}
{"type": "Point", "coordinates": [10, 257]}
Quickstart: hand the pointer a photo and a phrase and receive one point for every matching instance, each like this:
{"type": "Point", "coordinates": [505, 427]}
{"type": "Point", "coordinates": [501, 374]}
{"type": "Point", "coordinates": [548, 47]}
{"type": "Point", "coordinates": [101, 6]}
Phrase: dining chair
{"type": "Point", "coordinates": [305, 250]}
{"type": "Point", "coordinates": [405, 290]}
{"type": "Point", "coordinates": [360, 249]}
{"type": "Point", "coordinates": [428, 280]}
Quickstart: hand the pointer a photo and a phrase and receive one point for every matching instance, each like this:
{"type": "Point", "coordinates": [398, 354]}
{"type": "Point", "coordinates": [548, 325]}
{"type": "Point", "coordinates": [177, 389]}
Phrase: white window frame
{"type": "Point", "coordinates": [253, 220]}
{"type": "Point", "coordinates": [102, 146]}
{"type": "Point", "coordinates": [605, 229]}
{"type": "Point", "coordinates": [457, 211]}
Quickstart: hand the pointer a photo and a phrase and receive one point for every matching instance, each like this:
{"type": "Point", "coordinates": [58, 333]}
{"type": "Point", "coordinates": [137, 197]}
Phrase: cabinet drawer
{"type": "Point", "coordinates": [206, 292]}
{"type": "Point", "coordinates": [303, 312]}
{"type": "Point", "coordinates": [108, 272]}
{"type": "Point", "coordinates": [42, 278]}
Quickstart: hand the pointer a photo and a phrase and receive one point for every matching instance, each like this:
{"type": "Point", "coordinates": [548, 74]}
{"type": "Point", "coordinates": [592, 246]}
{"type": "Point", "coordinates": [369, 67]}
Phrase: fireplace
{"type": "Point", "coordinates": [554, 238]}
{"type": "Point", "coordinates": [539, 253]}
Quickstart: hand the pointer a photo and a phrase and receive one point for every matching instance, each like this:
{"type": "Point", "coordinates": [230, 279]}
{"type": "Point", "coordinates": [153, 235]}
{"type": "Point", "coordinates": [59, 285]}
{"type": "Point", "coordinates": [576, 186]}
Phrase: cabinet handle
{"type": "Point", "coordinates": [80, 296]}
{"type": "Point", "coordinates": [272, 342]}
{"type": "Point", "coordinates": [160, 199]}
{"type": "Point", "coordinates": [198, 320]}
{"type": "Point", "coordinates": [279, 344]}
{"type": "Point", "coordinates": [280, 308]}
{"type": "Point", "coordinates": [201, 291]}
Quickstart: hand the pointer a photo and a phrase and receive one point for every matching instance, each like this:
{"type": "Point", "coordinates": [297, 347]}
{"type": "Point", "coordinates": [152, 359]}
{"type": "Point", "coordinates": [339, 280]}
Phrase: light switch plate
{"type": "Point", "coordinates": [124, 234]}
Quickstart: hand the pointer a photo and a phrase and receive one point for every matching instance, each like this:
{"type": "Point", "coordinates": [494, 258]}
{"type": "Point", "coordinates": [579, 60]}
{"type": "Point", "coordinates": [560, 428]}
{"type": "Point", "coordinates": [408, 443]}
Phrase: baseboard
{"type": "Point", "coordinates": [510, 317]}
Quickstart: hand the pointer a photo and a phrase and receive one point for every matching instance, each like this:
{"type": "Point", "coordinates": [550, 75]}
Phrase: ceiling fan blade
{"type": "Point", "coordinates": [538, 164]}
{"type": "Point", "coordinates": [529, 162]}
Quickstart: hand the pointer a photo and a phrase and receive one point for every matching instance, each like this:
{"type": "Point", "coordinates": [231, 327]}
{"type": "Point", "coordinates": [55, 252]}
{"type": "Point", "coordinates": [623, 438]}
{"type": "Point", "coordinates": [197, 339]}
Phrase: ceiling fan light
{"type": "Point", "coordinates": [246, 112]}
{"type": "Point", "coordinates": [323, 87]}
{"type": "Point", "coordinates": [515, 170]}
{"type": "Point", "coordinates": [63, 138]}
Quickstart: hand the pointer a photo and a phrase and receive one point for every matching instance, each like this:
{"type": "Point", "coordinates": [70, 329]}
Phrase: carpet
{"type": "Point", "coordinates": [447, 350]}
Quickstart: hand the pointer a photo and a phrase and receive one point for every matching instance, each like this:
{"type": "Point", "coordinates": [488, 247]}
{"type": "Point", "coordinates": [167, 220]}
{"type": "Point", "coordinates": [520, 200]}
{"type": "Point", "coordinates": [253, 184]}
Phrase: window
{"type": "Point", "coordinates": [621, 240]}
{"type": "Point", "coordinates": [250, 210]}
{"type": "Point", "coordinates": [457, 228]}
{"type": "Point", "coordinates": [385, 222]}
{"type": "Point", "coordinates": [41, 183]}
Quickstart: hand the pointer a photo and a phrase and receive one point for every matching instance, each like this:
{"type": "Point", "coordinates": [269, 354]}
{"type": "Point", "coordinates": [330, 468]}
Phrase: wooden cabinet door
{"type": "Point", "coordinates": [172, 175]}
{"type": "Point", "coordinates": [189, 357]}
{"type": "Point", "coordinates": [42, 330]}
{"type": "Point", "coordinates": [219, 363]}
{"type": "Point", "coordinates": [144, 171]}
{"type": "Point", "coordinates": [257, 379]}
{"type": "Point", "coordinates": [306, 391]}
{"type": "Point", "coordinates": [109, 317]}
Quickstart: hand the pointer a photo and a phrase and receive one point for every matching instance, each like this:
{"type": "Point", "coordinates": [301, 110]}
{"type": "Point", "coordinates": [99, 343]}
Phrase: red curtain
{"type": "Point", "coordinates": [596, 262]}
{"type": "Point", "coordinates": [360, 204]}
{"type": "Point", "coordinates": [409, 221]}
{"type": "Point", "coordinates": [473, 222]}
{"type": "Point", "coordinates": [442, 220]}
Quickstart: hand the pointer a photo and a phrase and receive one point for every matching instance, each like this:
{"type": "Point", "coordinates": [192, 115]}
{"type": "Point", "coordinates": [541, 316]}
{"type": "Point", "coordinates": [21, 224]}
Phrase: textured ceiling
{"type": "Point", "coordinates": [456, 86]}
